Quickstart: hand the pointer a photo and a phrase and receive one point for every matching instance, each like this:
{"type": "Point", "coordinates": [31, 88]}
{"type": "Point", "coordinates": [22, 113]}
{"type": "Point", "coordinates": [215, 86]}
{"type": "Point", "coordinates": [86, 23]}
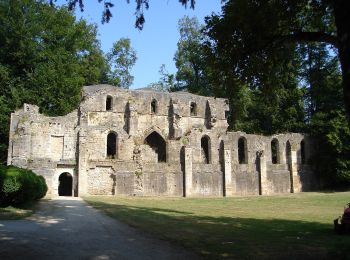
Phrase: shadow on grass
{"type": "Point", "coordinates": [19, 211]}
{"type": "Point", "coordinates": [232, 237]}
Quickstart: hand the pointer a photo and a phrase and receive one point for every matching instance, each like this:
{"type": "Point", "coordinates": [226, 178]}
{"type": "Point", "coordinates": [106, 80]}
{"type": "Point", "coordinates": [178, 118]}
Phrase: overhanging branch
{"type": "Point", "coordinates": [309, 37]}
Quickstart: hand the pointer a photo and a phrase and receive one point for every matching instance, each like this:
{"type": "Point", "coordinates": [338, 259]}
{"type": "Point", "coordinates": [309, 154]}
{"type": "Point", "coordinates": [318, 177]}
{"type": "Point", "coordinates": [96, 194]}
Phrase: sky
{"type": "Point", "coordinates": [156, 43]}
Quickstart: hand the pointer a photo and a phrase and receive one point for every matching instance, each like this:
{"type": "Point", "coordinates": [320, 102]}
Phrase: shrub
{"type": "Point", "coordinates": [18, 186]}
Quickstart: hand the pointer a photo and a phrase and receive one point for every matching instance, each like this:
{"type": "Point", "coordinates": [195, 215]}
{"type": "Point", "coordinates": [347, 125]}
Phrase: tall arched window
{"type": "Point", "coordinates": [288, 153]}
{"type": "Point", "coordinates": [205, 149]}
{"type": "Point", "coordinates": [193, 109]}
{"type": "Point", "coordinates": [275, 156]}
{"type": "Point", "coordinates": [208, 115]}
{"type": "Point", "coordinates": [109, 103]}
{"type": "Point", "coordinates": [127, 116]}
{"type": "Point", "coordinates": [154, 106]}
{"type": "Point", "coordinates": [242, 151]}
{"type": "Point", "coordinates": [302, 152]}
{"type": "Point", "coordinates": [158, 145]}
{"type": "Point", "coordinates": [289, 164]}
{"type": "Point", "coordinates": [112, 145]}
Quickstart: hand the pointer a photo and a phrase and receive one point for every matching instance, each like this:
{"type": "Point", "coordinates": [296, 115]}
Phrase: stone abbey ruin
{"type": "Point", "coordinates": [143, 142]}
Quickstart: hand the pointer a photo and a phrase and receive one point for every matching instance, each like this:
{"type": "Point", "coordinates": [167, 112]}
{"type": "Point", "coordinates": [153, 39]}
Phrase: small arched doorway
{"type": "Point", "coordinates": [65, 184]}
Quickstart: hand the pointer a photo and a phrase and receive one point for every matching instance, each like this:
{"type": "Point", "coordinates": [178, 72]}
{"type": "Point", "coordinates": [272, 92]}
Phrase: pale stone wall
{"type": "Point", "coordinates": [77, 144]}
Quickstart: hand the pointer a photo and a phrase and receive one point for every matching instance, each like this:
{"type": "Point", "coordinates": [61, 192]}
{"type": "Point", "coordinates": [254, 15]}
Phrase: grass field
{"type": "Point", "coordinates": [285, 226]}
{"type": "Point", "coordinates": [12, 213]}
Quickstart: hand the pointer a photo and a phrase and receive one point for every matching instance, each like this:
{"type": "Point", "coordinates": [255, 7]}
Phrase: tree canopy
{"type": "Point", "coordinates": [46, 56]}
{"type": "Point", "coordinates": [121, 58]}
{"type": "Point", "coordinates": [323, 21]}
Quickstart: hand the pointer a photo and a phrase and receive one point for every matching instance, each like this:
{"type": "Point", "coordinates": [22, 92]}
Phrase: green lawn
{"type": "Point", "coordinates": [285, 226]}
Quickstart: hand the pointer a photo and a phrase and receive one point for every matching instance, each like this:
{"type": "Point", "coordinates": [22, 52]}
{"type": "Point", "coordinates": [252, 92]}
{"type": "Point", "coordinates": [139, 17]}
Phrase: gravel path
{"type": "Point", "coordinates": [68, 228]}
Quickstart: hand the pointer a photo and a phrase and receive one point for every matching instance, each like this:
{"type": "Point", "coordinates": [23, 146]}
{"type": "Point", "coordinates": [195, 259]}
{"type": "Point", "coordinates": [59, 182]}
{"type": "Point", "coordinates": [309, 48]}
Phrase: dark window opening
{"type": "Point", "coordinates": [205, 148]}
{"type": "Point", "coordinates": [193, 108]}
{"type": "Point", "coordinates": [275, 151]}
{"type": "Point", "coordinates": [227, 114]}
{"type": "Point", "coordinates": [289, 164]}
{"type": "Point", "coordinates": [111, 146]}
{"type": "Point", "coordinates": [158, 145]}
{"type": "Point", "coordinates": [302, 152]}
{"type": "Point", "coordinates": [154, 107]}
{"type": "Point", "coordinates": [242, 151]}
{"type": "Point", "coordinates": [208, 116]}
{"type": "Point", "coordinates": [288, 154]}
{"type": "Point", "coordinates": [127, 115]}
{"type": "Point", "coordinates": [109, 103]}
{"type": "Point", "coordinates": [65, 185]}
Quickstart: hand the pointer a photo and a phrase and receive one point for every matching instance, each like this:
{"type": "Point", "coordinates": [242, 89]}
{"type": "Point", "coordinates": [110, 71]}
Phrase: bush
{"type": "Point", "coordinates": [18, 186]}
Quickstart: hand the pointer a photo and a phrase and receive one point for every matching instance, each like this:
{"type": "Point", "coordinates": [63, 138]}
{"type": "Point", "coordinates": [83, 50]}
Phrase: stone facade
{"type": "Point", "coordinates": [143, 142]}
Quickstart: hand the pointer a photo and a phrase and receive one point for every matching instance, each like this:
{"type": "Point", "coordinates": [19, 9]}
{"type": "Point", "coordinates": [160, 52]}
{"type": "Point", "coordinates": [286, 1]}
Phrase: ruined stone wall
{"type": "Point", "coordinates": [152, 143]}
{"type": "Point", "coordinates": [41, 143]}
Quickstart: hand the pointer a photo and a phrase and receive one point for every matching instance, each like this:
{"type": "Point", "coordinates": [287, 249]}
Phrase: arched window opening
{"type": "Point", "coordinates": [127, 116]}
{"type": "Point", "coordinates": [154, 107]}
{"type": "Point", "coordinates": [65, 185]}
{"type": "Point", "coordinates": [242, 151]}
{"type": "Point", "coordinates": [302, 152]}
{"type": "Point", "coordinates": [289, 155]}
{"type": "Point", "coordinates": [158, 145]}
{"type": "Point", "coordinates": [109, 103]}
{"type": "Point", "coordinates": [205, 148]}
{"type": "Point", "coordinates": [289, 164]}
{"type": "Point", "coordinates": [193, 108]}
{"type": "Point", "coordinates": [208, 122]}
{"type": "Point", "coordinates": [275, 157]}
{"type": "Point", "coordinates": [111, 146]}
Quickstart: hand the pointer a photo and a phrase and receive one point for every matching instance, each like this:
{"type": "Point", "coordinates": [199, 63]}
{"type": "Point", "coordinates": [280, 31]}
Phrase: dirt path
{"type": "Point", "coordinates": [71, 229]}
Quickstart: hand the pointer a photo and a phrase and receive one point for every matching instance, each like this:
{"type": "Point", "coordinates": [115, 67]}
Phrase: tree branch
{"type": "Point", "coordinates": [309, 37]}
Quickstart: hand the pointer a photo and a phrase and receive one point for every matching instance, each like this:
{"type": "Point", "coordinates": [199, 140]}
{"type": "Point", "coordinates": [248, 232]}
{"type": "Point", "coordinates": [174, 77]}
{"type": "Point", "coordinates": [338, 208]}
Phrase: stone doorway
{"type": "Point", "coordinates": [65, 184]}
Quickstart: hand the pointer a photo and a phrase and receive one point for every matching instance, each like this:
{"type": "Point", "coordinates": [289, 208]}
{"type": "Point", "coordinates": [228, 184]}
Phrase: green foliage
{"type": "Point", "coordinates": [46, 56]}
{"type": "Point", "coordinates": [166, 82]}
{"type": "Point", "coordinates": [122, 57]}
{"type": "Point", "coordinates": [18, 186]}
{"type": "Point", "coordinates": [332, 158]}
{"type": "Point", "coordinates": [189, 56]}
{"type": "Point", "coordinates": [276, 79]}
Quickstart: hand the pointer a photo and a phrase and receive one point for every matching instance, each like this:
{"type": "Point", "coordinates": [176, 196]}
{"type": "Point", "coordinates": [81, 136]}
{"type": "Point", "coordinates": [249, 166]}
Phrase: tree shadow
{"type": "Point", "coordinates": [234, 237]}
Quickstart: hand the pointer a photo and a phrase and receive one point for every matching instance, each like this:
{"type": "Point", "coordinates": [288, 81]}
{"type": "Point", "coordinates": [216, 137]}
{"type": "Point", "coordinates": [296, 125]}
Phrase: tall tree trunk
{"type": "Point", "coordinates": [342, 14]}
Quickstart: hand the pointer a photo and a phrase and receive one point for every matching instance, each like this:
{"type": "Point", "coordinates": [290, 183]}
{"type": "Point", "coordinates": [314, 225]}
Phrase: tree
{"type": "Point", "coordinates": [46, 56]}
{"type": "Point", "coordinates": [332, 29]}
{"type": "Point", "coordinates": [278, 71]}
{"type": "Point", "coordinates": [166, 83]}
{"type": "Point", "coordinates": [122, 57]}
{"type": "Point", "coordinates": [189, 59]}
{"type": "Point", "coordinates": [321, 75]}
{"type": "Point", "coordinates": [278, 22]}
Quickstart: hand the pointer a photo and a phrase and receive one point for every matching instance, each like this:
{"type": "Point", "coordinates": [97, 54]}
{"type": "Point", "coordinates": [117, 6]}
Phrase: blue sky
{"type": "Point", "coordinates": [156, 43]}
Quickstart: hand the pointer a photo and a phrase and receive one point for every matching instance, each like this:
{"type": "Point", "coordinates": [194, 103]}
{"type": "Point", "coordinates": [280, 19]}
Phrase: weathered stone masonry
{"type": "Point", "coordinates": [152, 143]}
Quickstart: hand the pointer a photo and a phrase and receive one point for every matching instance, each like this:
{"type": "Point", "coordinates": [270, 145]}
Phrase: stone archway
{"type": "Point", "coordinates": [65, 184]}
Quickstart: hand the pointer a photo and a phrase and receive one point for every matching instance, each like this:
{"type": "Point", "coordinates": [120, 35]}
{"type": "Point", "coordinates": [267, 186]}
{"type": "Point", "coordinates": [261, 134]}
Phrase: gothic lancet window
{"type": "Point", "coordinates": [158, 145]}
{"type": "Point", "coordinates": [205, 149]}
{"type": "Point", "coordinates": [242, 150]}
{"type": "Point", "coordinates": [275, 157]}
{"type": "Point", "coordinates": [154, 106]}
